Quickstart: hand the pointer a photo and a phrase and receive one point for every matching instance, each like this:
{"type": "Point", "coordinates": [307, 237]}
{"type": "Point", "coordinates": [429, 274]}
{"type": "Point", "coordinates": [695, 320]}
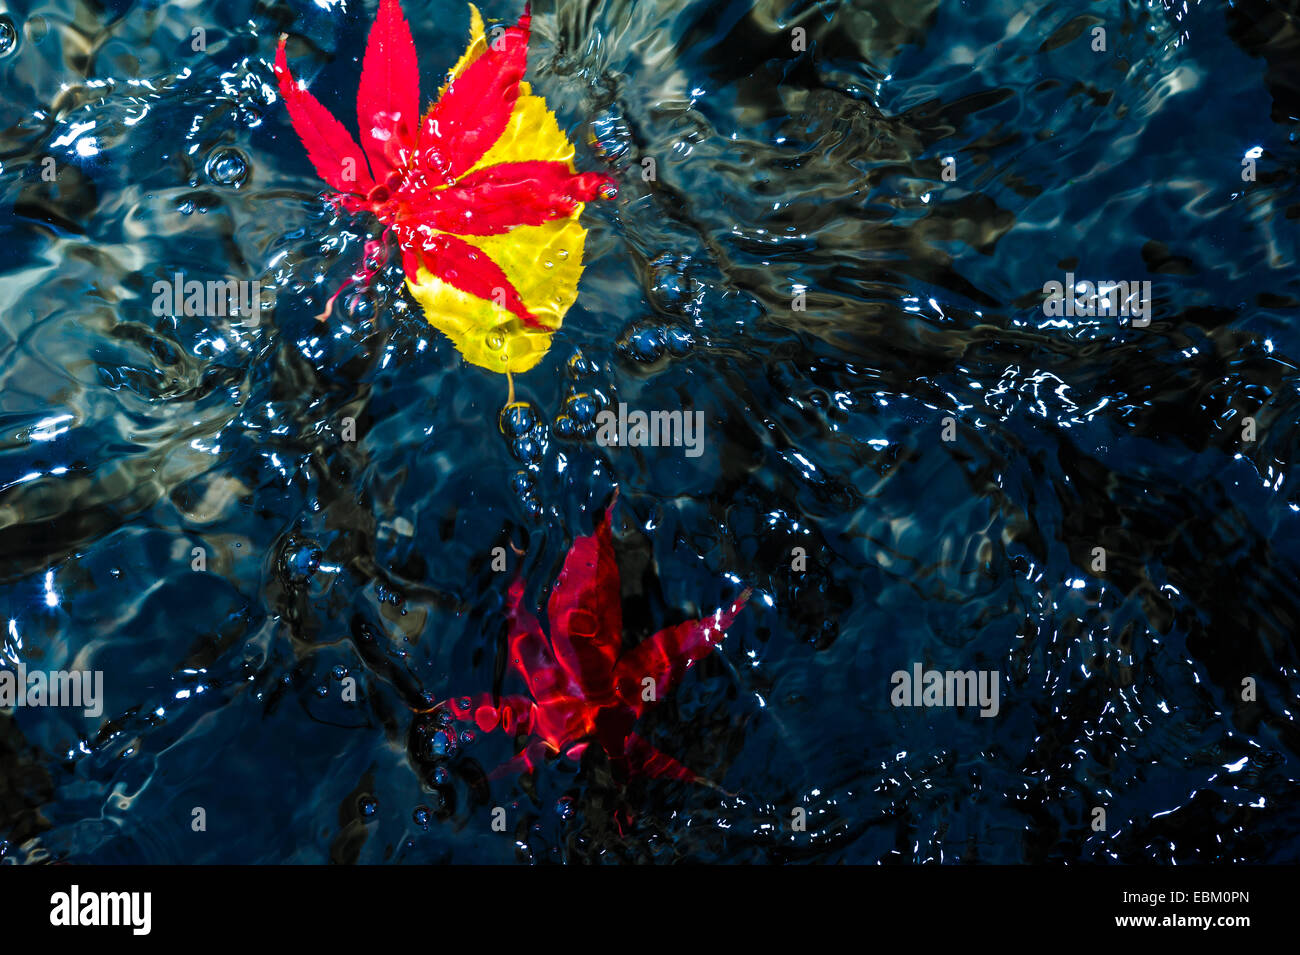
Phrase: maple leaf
{"type": "Point", "coordinates": [481, 192]}
{"type": "Point", "coordinates": [583, 689]}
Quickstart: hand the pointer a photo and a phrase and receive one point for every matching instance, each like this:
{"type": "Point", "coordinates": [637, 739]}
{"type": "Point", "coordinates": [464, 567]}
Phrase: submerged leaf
{"type": "Point", "coordinates": [581, 691]}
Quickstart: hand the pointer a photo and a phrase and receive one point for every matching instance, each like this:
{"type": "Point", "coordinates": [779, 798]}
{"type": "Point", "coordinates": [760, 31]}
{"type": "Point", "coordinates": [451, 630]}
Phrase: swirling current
{"type": "Point", "coordinates": [835, 228]}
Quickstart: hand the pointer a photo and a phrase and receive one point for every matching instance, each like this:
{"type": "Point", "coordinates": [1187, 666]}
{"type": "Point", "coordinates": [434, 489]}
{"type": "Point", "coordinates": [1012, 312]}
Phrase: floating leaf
{"type": "Point", "coordinates": [481, 194]}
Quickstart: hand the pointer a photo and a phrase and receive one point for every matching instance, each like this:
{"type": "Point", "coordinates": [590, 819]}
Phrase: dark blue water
{"type": "Point", "coordinates": [127, 439]}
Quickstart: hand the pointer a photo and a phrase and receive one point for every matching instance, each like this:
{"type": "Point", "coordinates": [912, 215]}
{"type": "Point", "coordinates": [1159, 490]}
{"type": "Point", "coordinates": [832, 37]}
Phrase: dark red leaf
{"type": "Point", "coordinates": [531, 657]}
{"type": "Point", "coordinates": [582, 693]}
{"type": "Point", "coordinates": [585, 612]}
{"type": "Point", "coordinates": [670, 653]}
{"type": "Point", "coordinates": [644, 759]}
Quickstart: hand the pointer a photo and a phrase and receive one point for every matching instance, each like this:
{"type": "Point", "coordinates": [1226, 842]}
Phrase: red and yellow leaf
{"type": "Point", "coordinates": [483, 197]}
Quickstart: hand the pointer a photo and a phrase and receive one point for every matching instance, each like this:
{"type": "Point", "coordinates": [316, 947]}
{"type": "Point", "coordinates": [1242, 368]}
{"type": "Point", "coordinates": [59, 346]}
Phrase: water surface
{"type": "Point", "coordinates": [127, 440]}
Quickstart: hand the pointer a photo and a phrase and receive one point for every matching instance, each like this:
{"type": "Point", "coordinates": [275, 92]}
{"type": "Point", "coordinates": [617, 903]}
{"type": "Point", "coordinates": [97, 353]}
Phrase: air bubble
{"type": "Point", "coordinates": [583, 408]}
{"type": "Point", "coordinates": [8, 36]}
{"type": "Point", "coordinates": [301, 560]}
{"type": "Point", "coordinates": [443, 743]}
{"type": "Point", "coordinates": [679, 340]}
{"type": "Point", "coordinates": [580, 366]}
{"type": "Point", "coordinates": [36, 29]}
{"type": "Point", "coordinates": [227, 166]}
{"type": "Point", "coordinates": [667, 284]}
{"type": "Point", "coordinates": [643, 342]}
{"type": "Point", "coordinates": [517, 419]}
{"type": "Point", "coordinates": [528, 449]}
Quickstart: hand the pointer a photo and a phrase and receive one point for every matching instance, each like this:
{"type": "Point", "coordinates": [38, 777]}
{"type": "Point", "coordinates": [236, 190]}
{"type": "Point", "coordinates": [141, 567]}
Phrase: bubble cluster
{"type": "Point", "coordinates": [524, 485]}
{"type": "Point", "coordinates": [581, 409]}
{"type": "Point", "coordinates": [582, 402]}
{"type": "Point", "coordinates": [523, 427]}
